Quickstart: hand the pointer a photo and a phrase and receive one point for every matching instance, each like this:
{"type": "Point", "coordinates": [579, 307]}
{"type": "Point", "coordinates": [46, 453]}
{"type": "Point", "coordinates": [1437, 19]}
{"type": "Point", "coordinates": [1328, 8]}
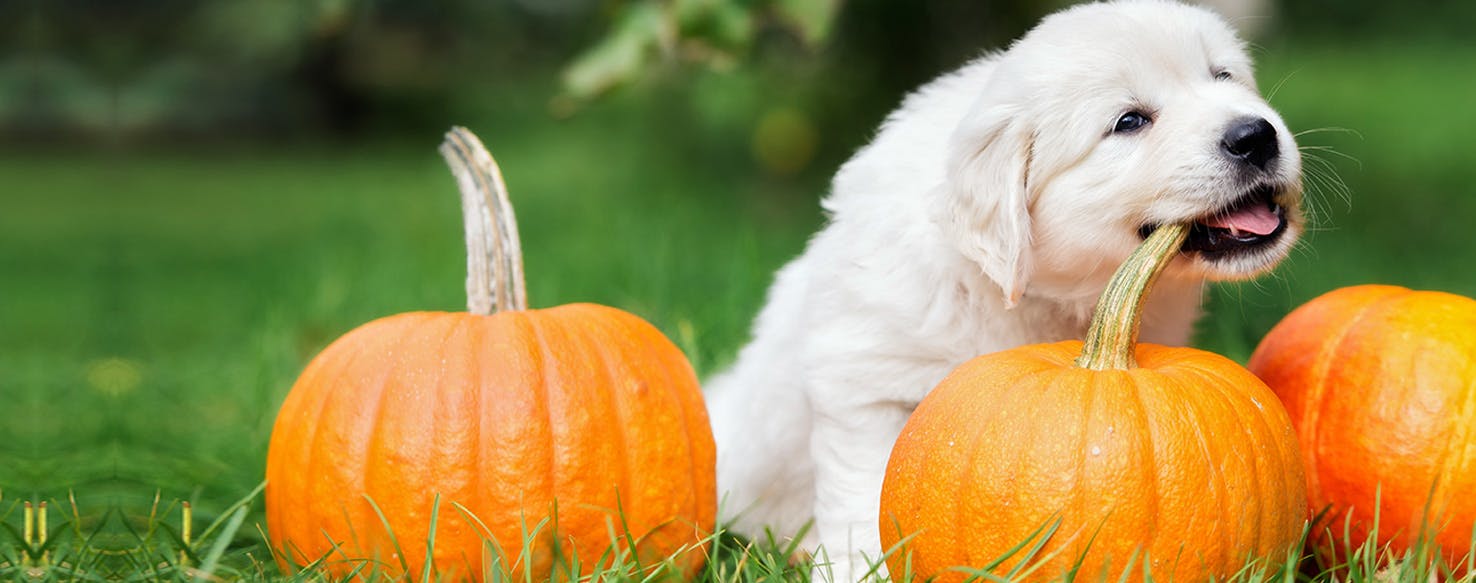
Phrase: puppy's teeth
{"type": "Point", "coordinates": [1234, 232]}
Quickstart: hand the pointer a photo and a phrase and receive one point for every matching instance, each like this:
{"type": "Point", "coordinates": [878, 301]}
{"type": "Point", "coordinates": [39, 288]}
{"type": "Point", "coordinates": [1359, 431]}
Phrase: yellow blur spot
{"type": "Point", "coordinates": [784, 141]}
{"type": "Point", "coordinates": [114, 376]}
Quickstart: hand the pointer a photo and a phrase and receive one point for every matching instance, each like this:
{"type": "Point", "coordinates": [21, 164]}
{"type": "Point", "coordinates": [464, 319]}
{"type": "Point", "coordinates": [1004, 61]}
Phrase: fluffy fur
{"type": "Point", "coordinates": [988, 212]}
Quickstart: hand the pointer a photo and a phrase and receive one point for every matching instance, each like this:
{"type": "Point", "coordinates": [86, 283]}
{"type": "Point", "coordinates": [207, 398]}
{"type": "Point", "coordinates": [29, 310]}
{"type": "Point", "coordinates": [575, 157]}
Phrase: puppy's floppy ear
{"type": "Point", "coordinates": [985, 206]}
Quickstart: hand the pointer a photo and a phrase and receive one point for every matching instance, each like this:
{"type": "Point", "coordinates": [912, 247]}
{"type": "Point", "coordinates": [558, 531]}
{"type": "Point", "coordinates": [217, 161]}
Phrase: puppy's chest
{"type": "Point", "coordinates": [937, 350]}
{"type": "Point", "coordinates": [972, 334]}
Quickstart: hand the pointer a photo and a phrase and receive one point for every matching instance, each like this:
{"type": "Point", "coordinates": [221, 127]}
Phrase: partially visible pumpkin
{"type": "Point", "coordinates": [1132, 453]}
{"type": "Point", "coordinates": [502, 413]}
{"type": "Point", "coordinates": [1380, 382]}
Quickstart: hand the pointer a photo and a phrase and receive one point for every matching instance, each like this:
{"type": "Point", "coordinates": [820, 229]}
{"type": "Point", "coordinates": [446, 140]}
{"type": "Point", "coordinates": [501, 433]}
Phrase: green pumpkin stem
{"type": "Point", "coordinates": [494, 258]}
{"type": "Point", "coordinates": [1113, 336]}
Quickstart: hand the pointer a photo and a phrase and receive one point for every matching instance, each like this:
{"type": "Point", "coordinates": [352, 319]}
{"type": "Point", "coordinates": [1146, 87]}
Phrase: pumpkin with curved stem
{"type": "Point", "coordinates": [1380, 382]}
{"type": "Point", "coordinates": [501, 413]}
{"type": "Point", "coordinates": [1107, 453]}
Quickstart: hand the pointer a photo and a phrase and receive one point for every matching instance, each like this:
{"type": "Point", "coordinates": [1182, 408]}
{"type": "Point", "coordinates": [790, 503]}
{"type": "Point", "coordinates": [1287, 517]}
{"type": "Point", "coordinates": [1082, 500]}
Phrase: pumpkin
{"type": "Point", "coordinates": [472, 429]}
{"type": "Point", "coordinates": [1107, 454]}
{"type": "Point", "coordinates": [1380, 382]}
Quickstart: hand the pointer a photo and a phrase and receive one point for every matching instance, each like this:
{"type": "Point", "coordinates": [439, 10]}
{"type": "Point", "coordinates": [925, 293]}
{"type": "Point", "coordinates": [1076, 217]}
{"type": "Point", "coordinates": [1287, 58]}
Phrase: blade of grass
{"type": "Point", "coordinates": [1035, 548]}
{"type": "Point", "coordinates": [430, 540]}
{"type": "Point", "coordinates": [499, 560]}
{"type": "Point", "coordinates": [1126, 569]}
{"type": "Point", "coordinates": [218, 548]}
{"type": "Point", "coordinates": [1038, 537]}
{"type": "Point", "coordinates": [896, 548]}
{"type": "Point", "coordinates": [225, 514]}
{"type": "Point", "coordinates": [177, 540]}
{"type": "Point", "coordinates": [394, 541]}
{"type": "Point", "coordinates": [630, 541]}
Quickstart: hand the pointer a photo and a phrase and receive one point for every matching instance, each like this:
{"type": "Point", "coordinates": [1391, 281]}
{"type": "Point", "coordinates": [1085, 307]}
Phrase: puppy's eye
{"type": "Point", "coordinates": [1222, 75]}
{"type": "Point", "coordinates": [1130, 122]}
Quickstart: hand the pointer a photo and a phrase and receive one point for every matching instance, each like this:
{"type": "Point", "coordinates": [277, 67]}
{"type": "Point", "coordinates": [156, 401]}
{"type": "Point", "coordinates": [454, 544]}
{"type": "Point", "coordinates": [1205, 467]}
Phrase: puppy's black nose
{"type": "Point", "coordinates": [1252, 140]}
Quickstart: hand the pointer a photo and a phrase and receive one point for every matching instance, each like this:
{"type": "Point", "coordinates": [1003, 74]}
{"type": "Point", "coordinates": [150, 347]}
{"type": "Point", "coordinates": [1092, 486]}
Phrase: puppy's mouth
{"type": "Point", "coordinates": [1252, 221]}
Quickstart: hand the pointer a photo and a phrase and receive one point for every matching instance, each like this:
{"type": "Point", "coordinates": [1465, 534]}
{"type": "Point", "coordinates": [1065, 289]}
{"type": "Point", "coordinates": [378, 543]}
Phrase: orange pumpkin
{"type": "Point", "coordinates": [1380, 382]}
{"type": "Point", "coordinates": [501, 415]}
{"type": "Point", "coordinates": [1123, 453]}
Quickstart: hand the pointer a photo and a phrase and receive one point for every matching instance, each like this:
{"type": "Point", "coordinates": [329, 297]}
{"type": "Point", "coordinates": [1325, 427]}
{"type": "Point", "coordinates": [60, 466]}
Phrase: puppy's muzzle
{"type": "Point", "coordinates": [1253, 221]}
{"type": "Point", "coordinates": [1251, 141]}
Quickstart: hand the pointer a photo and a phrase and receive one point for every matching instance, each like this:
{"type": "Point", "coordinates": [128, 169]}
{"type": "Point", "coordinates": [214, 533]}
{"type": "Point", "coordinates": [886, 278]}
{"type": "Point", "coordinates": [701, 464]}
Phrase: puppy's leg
{"type": "Point", "coordinates": [761, 419]}
{"type": "Point", "coordinates": [766, 479]}
{"type": "Point", "coordinates": [851, 445]}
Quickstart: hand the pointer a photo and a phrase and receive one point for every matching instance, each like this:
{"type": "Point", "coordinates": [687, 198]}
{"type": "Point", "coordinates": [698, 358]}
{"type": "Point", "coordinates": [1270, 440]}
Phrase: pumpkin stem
{"type": "Point", "coordinates": [1113, 336]}
{"type": "Point", "coordinates": [494, 258]}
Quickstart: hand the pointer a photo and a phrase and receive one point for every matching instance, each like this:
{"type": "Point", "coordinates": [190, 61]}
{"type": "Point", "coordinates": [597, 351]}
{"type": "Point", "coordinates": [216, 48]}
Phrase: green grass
{"type": "Point", "coordinates": [156, 303]}
{"type": "Point", "coordinates": [163, 549]}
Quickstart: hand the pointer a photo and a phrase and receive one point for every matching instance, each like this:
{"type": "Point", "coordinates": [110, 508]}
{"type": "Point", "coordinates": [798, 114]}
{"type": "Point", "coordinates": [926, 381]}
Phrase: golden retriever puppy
{"type": "Point", "coordinates": [989, 212]}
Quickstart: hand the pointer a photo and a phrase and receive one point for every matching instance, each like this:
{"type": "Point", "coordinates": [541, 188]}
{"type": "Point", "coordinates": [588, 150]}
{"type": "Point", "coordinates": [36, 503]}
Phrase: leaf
{"type": "Point", "coordinates": [722, 24]}
{"type": "Point", "coordinates": [811, 19]}
{"type": "Point", "coordinates": [641, 34]}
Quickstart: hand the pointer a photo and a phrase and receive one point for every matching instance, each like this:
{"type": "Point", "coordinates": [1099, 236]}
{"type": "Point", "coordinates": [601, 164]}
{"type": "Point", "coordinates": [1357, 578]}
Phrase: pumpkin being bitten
{"type": "Point", "coordinates": [502, 413]}
{"type": "Point", "coordinates": [1380, 382]}
{"type": "Point", "coordinates": [1120, 453]}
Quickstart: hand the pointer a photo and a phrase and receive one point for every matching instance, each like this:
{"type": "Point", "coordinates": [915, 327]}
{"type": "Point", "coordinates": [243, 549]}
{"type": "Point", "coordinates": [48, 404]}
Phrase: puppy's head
{"type": "Point", "coordinates": [1106, 121]}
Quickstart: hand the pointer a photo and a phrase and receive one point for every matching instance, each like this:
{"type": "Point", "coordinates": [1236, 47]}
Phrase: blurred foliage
{"type": "Point", "coordinates": [86, 69]}
{"type": "Point", "coordinates": [1446, 21]}
{"type": "Point", "coordinates": [93, 69]}
{"type": "Point", "coordinates": [709, 31]}
{"type": "Point", "coordinates": [158, 68]}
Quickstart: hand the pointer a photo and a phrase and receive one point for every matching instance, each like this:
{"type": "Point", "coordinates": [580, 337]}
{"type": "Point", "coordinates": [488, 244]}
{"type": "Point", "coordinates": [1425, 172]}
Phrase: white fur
{"type": "Point", "coordinates": [988, 213]}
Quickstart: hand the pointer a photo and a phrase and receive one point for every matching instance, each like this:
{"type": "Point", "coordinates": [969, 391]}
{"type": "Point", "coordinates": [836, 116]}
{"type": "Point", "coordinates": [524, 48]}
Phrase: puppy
{"type": "Point", "coordinates": [988, 213]}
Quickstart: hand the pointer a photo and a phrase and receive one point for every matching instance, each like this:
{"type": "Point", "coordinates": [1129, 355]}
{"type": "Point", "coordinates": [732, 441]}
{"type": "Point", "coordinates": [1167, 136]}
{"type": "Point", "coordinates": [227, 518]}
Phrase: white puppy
{"type": "Point", "coordinates": [989, 212]}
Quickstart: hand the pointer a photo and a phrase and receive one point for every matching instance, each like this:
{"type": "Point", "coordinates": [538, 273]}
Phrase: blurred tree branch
{"type": "Point", "coordinates": [198, 69]}
{"type": "Point", "coordinates": [708, 32]}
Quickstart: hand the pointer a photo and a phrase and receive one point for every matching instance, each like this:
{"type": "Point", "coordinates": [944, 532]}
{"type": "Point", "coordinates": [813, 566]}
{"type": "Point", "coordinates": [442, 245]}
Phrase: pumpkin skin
{"type": "Point", "coordinates": [1380, 382]}
{"type": "Point", "coordinates": [573, 429]}
{"type": "Point", "coordinates": [1187, 457]}
{"type": "Point", "coordinates": [1106, 454]}
{"type": "Point", "coordinates": [504, 414]}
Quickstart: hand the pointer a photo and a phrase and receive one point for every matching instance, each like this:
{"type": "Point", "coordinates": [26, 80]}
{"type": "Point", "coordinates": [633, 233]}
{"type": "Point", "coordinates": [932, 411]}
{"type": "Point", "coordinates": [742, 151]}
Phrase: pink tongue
{"type": "Point", "coordinates": [1255, 218]}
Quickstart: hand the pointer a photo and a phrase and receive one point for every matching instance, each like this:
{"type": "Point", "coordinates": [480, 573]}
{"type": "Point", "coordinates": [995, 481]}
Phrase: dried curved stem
{"type": "Point", "coordinates": [1113, 336]}
{"type": "Point", "coordinates": [494, 257]}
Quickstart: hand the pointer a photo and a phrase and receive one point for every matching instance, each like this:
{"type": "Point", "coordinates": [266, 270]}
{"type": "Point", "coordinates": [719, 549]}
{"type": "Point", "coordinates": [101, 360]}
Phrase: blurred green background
{"type": "Point", "coordinates": [196, 197]}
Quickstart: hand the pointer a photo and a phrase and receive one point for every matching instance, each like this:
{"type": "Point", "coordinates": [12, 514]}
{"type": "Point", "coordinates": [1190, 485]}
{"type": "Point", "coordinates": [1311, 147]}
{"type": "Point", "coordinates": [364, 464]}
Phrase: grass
{"type": "Point", "coordinates": [164, 550]}
{"type": "Point", "coordinates": [158, 302]}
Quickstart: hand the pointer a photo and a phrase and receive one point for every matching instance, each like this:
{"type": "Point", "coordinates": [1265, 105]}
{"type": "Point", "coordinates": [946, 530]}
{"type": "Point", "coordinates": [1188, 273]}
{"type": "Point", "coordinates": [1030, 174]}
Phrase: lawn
{"type": "Point", "coordinates": [158, 301]}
